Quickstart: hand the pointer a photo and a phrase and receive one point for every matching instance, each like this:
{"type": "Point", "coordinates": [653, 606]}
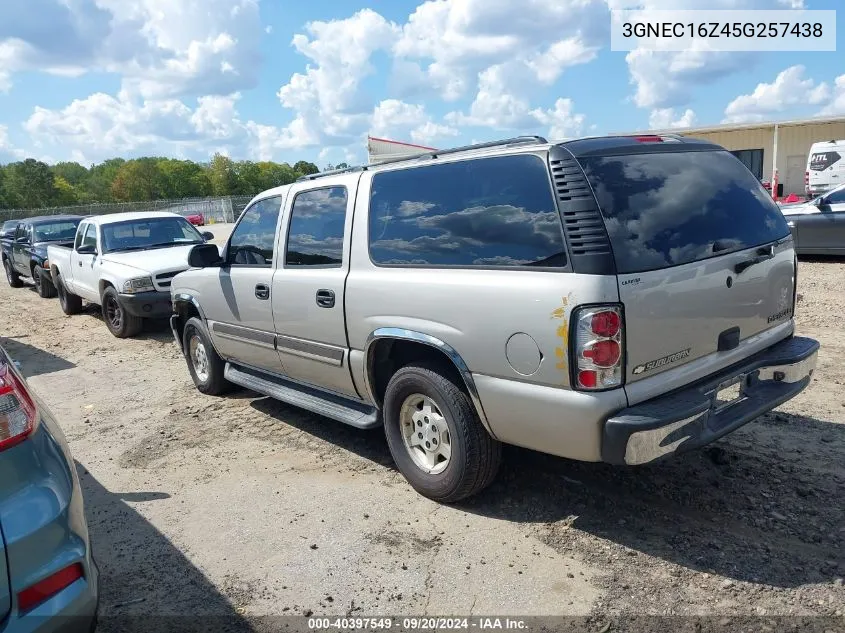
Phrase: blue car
{"type": "Point", "coordinates": [48, 579]}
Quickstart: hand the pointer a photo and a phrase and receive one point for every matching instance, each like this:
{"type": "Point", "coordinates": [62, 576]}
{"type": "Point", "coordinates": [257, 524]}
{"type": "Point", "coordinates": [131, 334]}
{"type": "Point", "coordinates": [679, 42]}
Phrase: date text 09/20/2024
{"type": "Point", "coordinates": [416, 624]}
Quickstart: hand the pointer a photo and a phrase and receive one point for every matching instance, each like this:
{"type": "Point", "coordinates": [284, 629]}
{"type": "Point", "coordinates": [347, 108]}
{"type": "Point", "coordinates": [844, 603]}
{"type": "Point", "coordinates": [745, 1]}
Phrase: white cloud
{"type": "Point", "coordinates": [837, 100]}
{"type": "Point", "coordinates": [664, 119]}
{"type": "Point", "coordinates": [497, 108]}
{"type": "Point", "coordinates": [789, 89]}
{"type": "Point", "coordinates": [664, 79]}
{"type": "Point", "coordinates": [327, 99]}
{"type": "Point", "coordinates": [102, 126]}
{"type": "Point", "coordinates": [161, 48]}
{"type": "Point", "coordinates": [396, 119]}
{"type": "Point", "coordinates": [452, 42]}
{"type": "Point", "coordinates": [8, 152]}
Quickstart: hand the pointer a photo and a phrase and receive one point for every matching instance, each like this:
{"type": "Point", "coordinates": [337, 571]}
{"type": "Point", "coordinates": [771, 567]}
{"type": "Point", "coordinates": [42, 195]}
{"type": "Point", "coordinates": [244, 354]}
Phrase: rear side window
{"type": "Point", "coordinates": [485, 212]}
{"type": "Point", "coordinates": [315, 236]}
{"type": "Point", "coordinates": [254, 237]}
{"type": "Point", "coordinates": [667, 209]}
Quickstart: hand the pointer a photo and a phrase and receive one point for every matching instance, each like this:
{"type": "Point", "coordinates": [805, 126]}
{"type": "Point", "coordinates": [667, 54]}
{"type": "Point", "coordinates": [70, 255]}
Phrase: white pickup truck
{"type": "Point", "coordinates": [124, 263]}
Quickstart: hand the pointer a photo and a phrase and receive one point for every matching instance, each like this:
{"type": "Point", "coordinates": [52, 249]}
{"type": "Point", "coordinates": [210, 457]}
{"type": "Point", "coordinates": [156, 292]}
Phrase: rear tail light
{"type": "Point", "coordinates": [648, 139]}
{"type": "Point", "coordinates": [17, 408]}
{"type": "Point", "coordinates": [597, 347]}
{"type": "Point", "coordinates": [45, 589]}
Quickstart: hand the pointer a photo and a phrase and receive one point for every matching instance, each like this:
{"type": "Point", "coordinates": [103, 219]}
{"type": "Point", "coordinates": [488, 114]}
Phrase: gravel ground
{"type": "Point", "coordinates": [246, 507]}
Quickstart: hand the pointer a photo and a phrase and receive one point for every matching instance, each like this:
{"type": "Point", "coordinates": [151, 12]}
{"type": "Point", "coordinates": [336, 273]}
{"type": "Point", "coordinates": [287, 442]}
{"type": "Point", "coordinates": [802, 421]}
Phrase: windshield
{"type": "Point", "coordinates": [63, 231]}
{"type": "Point", "coordinates": [148, 233]}
{"type": "Point", "coordinates": [668, 209]}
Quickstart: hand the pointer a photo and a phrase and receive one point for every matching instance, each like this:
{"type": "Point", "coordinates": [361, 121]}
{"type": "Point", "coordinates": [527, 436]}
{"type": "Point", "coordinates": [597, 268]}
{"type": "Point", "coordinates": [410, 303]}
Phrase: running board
{"type": "Point", "coordinates": [338, 408]}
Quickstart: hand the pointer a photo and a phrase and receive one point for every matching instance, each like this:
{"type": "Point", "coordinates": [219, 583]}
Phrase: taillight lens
{"type": "Point", "coordinates": [17, 408]}
{"type": "Point", "coordinates": [597, 352]}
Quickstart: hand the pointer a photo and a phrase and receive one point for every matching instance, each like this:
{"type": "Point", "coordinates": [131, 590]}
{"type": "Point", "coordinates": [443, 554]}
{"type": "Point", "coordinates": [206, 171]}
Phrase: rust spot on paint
{"type": "Point", "coordinates": [562, 331]}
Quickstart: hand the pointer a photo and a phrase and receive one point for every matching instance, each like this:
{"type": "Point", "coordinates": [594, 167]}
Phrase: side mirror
{"type": "Point", "coordinates": [87, 249]}
{"type": "Point", "coordinates": [208, 235]}
{"type": "Point", "coordinates": [821, 201]}
{"type": "Point", "coordinates": [205, 256]}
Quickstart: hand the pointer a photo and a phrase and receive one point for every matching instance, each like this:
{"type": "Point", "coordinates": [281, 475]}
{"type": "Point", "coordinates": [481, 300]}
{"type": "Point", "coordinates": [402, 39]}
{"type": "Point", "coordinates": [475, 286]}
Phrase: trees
{"type": "Point", "coordinates": [29, 184]}
{"type": "Point", "coordinates": [34, 184]}
{"type": "Point", "coordinates": [304, 168]}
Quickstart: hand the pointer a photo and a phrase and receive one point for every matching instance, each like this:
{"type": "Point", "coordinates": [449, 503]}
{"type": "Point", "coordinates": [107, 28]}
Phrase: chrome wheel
{"type": "Point", "coordinates": [426, 433]}
{"type": "Point", "coordinates": [199, 357]}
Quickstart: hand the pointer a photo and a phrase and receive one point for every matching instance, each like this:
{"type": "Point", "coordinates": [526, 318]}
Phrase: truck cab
{"type": "Point", "coordinates": [124, 263]}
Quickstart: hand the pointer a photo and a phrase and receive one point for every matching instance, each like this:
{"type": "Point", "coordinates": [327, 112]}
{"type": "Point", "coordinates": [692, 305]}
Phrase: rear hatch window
{"type": "Point", "coordinates": [681, 226]}
{"type": "Point", "coordinates": [668, 209]}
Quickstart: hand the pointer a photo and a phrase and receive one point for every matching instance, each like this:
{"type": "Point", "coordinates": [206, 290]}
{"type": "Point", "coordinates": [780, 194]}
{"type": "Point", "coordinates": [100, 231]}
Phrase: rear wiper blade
{"type": "Point", "coordinates": [763, 254]}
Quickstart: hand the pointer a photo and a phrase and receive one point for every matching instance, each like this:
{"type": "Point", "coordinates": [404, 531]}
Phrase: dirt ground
{"type": "Point", "coordinates": [245, 506]}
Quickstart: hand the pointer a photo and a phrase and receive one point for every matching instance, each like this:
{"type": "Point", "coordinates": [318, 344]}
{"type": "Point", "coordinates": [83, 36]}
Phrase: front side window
{"type": "Point", "coordinates": [488, 212]}
{"type": "Point", "coordinates": [836, 197]}
{"type": "Point", "coordinates": [149, 233]}
{"type": "Point", "coordinates": [253, 240]}
{"type": "Point", "coordinates": [90, 237]}
{"type": "Point", "coordinates": [315, 236]}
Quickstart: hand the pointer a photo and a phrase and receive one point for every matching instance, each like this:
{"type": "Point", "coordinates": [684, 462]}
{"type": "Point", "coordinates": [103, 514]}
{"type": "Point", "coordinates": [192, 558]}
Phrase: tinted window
{"type": "Point", "coordinates": [90, 238]}
{"type": "Point", "coordinates": [837, 197]}
{"type": "Point", "coordinates": [751, 158]}
{"type": "Point", "coordinates": [315, 236]}
{"type": "Point", "coordinates": [56, 231]}
{"type": "Point", "coordinates": [672, 208]}
{"type": "Point", "coordinates": [253, 239]}
{"type": "Point", "coordinates": [79, 233]}
{"type": "Point", "coordinates": [484, 212]}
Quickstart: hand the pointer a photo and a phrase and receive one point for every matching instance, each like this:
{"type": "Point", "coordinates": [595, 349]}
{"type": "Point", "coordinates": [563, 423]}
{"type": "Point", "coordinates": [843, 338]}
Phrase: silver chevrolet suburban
{"type": "Point", "coordinates": [615, 299]}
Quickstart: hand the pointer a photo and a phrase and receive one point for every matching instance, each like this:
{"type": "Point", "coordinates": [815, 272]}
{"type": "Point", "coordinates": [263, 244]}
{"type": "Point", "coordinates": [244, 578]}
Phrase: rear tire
{"type": "Point", "coordinates": [204, 364]}
{"type": "Point", "coordinates": [44, 287]}
{"type": "Point", "coordinates": [421, 399]}
{"type": "Point", "coordinates": [119, 322]}
{"type": "Point", "coordinates": [11, 275]}
{"type": "Point", "coordinates": [71, 304]}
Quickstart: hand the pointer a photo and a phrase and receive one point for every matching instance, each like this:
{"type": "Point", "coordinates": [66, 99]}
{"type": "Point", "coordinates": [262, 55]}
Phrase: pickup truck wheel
{"type": "Point", "coordinates": [435, 436]}
{"type": "Point", "coordinates": [71, 304]}
{"type": "Point", "coordinates": [118, 320]}
{"type": "Point", "coordinates": [44, 287]}
{"type": "Point", "coordinates": [11, 276]}
{"type": "Point", "coordinates": [204, 365]}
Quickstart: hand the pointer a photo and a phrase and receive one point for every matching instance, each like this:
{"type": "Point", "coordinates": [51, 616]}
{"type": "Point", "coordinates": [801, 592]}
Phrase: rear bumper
{"type": "Point", "coordinates": [151, 305]}
{"type": "Point", "coordinates": [43, 519]}
{"type": "Point", "coordinates": [690, 417]}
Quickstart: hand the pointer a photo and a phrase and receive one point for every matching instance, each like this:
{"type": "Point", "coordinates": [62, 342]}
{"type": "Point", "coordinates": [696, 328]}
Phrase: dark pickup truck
{"type": "Point", "coordinates": [24, 249]}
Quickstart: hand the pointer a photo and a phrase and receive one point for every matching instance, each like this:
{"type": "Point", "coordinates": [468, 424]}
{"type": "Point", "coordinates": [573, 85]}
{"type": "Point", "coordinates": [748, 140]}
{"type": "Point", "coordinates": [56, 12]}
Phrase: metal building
{"type": "Point", "coordinates": [776, 145]}
{"type": "Point", "coordinates": [380, 149]}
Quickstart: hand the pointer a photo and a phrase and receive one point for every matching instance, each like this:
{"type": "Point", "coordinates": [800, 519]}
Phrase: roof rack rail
{"type": "Point", "coordinates": [517, 140]}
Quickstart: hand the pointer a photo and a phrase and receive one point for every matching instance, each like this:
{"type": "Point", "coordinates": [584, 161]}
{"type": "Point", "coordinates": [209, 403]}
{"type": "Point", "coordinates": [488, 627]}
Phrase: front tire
{"type": "Point", "coordinates": [435, 435]}
{"type": "Point", "coordinates": [120, 323]}
{"type": "Point", "coordinates": [11, 275]}
{"type": "Point", "coordinates": [204, 365]}
{"type": "Point", "coordinates": [71, 304]}
{"type": "Point", "coordinates": [44, 287]}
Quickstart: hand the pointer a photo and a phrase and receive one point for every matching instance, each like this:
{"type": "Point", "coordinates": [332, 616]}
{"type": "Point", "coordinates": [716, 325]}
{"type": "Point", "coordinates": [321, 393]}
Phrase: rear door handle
{"type": "Point", "coordinates": [325, 298]}
{"type": "Point", "coordinates": [262, 291]}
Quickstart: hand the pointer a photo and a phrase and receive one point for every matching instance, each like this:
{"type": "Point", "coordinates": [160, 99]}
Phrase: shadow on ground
{"type": "Point", "coordinates": [146, 583]}
{"type": "Point", "coordinates": [762, 505]}
{"type": "Point", "coordinates": [34, 361]}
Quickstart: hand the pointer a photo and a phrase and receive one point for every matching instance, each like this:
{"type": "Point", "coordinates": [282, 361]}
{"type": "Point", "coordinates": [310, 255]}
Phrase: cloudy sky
{"type": "Point", "coordinates": [264, 79]}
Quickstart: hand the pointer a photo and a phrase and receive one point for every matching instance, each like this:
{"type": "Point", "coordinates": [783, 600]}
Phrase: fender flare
{"type": "Point", "coordinates": [432, 341]}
